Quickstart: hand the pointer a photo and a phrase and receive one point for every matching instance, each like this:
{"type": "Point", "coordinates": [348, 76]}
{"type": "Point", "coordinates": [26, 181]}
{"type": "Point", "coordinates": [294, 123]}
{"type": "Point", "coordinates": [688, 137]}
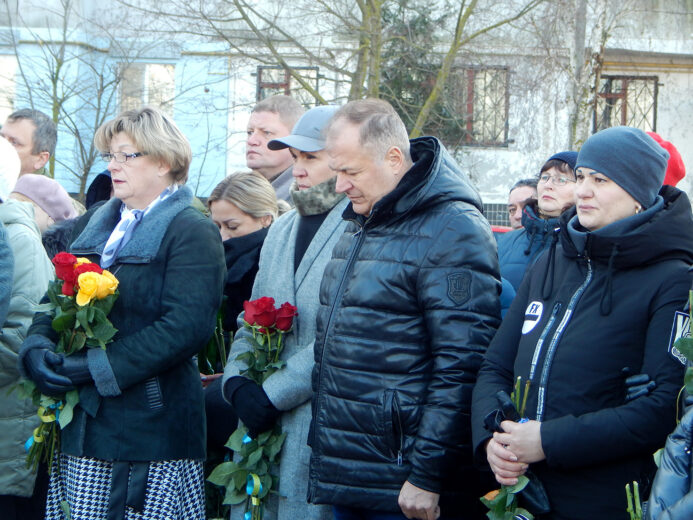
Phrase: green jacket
{"type": "Point", "coordinates": [147, 402]}
{"type": "Point", "coordinates": [23, 285]}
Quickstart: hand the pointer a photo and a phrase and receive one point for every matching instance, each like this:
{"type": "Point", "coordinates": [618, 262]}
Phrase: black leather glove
{"type": "Point", "coordinates": [73, 367]}
{"type": "Point", "coordinates": [251, 404]}
{"type": "Point", "coordinates": [637, 385]}
{"type": "Point", "coordinates": [40, 371]}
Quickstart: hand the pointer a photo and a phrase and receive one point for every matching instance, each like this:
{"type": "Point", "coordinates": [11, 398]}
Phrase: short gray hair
{"type": "Point", "coordinates": [154, 134]}
{"type": "Point", "coordinates": [380, 127]}
{"type": "Point", "coordinates": [248, 191]}
{"type": "Point", "coordinates": [45, 134]}
{"type": "Point", "coordinates": [288, 109]}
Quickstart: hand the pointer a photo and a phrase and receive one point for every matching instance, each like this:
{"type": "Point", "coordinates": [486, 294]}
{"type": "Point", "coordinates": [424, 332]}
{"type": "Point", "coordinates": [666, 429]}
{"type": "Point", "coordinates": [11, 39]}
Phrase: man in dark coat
{"type": "Point", "coordinates": [409, 303]}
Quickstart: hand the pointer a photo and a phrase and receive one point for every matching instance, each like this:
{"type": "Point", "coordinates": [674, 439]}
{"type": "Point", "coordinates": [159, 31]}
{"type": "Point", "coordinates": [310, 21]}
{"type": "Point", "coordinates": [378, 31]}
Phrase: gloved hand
{"type": "Point", "coordinates": [40, 371]}
{"type": "Point", "coordinates": [637, 385]}
{"type": "Point", "coordinates": [74, 367]}
{"type": "Point", "coordinates": [251, 404]}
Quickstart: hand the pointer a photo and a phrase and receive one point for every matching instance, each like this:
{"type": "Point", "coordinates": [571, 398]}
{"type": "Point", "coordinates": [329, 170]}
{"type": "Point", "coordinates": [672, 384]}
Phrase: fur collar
{"type": "Point", "coordinates": [147, 238]}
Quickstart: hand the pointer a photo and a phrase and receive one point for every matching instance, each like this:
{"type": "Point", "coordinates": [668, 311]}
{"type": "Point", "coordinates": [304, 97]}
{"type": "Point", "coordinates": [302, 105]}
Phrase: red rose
{"type": "Point", "coordinates": [65, 267]}
{"type": "Point", "coordinates": [285, 317]}
{"type": "Point", "coordinates": [260, 312]}
{"type": "Point", "coordinates": [87, 267]}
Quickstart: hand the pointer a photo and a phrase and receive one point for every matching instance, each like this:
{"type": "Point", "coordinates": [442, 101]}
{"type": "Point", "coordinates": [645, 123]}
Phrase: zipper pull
{"type": "Point", "coordinates": [399, 458]}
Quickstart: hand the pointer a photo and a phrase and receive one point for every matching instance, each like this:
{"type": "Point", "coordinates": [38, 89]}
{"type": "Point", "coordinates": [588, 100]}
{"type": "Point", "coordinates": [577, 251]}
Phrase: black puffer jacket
{"type": "Point", "coordinates": [409, 303]}
{"type": "Point", "coordinates": [581, 316]}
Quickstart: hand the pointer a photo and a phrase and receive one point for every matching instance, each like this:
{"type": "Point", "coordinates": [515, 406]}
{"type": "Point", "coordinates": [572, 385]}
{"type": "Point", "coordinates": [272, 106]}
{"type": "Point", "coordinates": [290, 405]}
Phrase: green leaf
{"type": "Point", "coordinates": [72, 397]}
{"type": "Point", "coordinates": [104, 331]}
{"type": "Point", "coordinates": [235, 442]}
{"type": "Point", "coordinates": [78, 342]}
{"type": "Point", "coordinates": [240, 478]}
{"type": "Point", "coordinates": [223, 474]}
{"type": "Point", "coordinates": [266, 481]}
{"type": "Point", "coordinates": [522, 481]}
{"type": "Point", "coordinates": [65, 416]}
{"type": "Point", "coordinates": [254, 457]}
{"type": "Point", "coordinates": [63, 321]}
{"type": "Point", "coordinates": [264, 437]}
{"type": "Point", "coordinates": [275, 446]}
{"type": "Point", "coordinates": [685, 346]}
{"type": "Point", "coordinates": [234, 496]}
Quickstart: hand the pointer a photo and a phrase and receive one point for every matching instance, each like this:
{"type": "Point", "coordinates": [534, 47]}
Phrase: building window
{"type": "Point", "coordinates": [147, 84]}
{"type": "Point", "coordinates": [8, 68]}
{"type": "Point", "coordinates": [626, 100]}
{"type": "Point", "coordinates": [475, 109]}
{"type": "Point", "coordinates": [278, 80]}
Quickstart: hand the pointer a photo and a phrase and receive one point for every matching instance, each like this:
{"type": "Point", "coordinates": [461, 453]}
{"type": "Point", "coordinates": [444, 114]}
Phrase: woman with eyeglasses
{"type": "Point", "coordinates": [607, 299]}
{"type": "Point", "coordinates": [520, 248]}
{"type": "Point", "coordinates": [136, 444]}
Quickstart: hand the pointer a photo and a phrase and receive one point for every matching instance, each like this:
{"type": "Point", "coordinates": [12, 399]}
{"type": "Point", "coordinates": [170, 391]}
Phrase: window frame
{"type": "Point", "coordinates": [623, 95]}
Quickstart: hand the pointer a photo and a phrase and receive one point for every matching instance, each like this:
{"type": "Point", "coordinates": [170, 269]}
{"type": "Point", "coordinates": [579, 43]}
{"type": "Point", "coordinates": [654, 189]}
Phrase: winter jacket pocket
{"type": "Point", "coordinates": [392, 425]}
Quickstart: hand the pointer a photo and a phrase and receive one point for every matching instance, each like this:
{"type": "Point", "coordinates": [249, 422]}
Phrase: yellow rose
{"type": "Point", "coordinates": [95, 286]}
{"type": "Point", "coordinates": [88, 285]}
{"type": "Point", "coordinates": [107, 285]}
{"type": "Point", "coordinates": [82, 260]}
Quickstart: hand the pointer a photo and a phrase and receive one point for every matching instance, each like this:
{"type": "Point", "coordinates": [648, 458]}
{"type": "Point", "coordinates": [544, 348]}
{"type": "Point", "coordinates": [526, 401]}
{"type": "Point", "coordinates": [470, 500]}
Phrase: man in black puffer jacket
{"type": "Point", "coordinates": [409, 303]}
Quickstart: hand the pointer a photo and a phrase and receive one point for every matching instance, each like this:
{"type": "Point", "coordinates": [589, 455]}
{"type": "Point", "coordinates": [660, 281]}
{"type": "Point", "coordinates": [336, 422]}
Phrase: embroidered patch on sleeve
{"type": "Point", "coordinates": [459, 287]}
{"type": "Point", "coordinates": [680, 328]}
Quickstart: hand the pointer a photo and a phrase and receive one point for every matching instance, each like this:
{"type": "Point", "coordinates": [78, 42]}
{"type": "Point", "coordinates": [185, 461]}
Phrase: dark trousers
{"type": "Point", "coordinates": [27, 508]}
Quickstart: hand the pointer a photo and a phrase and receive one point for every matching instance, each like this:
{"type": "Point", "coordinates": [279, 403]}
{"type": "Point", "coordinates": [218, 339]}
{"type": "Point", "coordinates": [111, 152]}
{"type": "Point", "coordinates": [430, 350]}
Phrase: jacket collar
{"type": "Point", "coordinates": [242, 254]}
{"type": "Point", "coordinates": [147, 237]}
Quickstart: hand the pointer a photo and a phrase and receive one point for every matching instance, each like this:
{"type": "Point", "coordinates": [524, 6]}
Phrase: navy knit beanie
{"type": "Point", "coordinates": [630, 158]}
{"type": "Point", "coordinates": [567, 157]}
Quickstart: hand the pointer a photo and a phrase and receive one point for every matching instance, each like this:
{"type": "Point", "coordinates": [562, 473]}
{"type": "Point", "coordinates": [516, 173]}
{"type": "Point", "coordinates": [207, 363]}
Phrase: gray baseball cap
{"type": "Point", "coordinates": [308, 133]}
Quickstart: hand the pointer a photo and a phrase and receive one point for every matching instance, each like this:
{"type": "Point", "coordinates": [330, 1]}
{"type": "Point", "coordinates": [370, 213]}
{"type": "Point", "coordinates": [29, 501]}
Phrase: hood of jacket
{"type": "Point", "coordinates": [434, 178]}
{"type": "Point", "coordinates": [667, 235]}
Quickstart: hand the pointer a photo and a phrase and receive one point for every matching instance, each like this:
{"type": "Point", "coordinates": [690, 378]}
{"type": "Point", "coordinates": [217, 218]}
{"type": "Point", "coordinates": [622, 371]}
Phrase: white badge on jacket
{"type": "Point", "coordinates": [532, 316]}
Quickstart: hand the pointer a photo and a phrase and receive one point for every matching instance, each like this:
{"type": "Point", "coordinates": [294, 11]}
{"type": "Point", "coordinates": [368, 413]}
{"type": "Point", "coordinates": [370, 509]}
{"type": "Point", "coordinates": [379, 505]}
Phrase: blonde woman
{"type": "Point", "coordinates": [243, 206]}
{"type": "Point", "coordinates": [135, 447]}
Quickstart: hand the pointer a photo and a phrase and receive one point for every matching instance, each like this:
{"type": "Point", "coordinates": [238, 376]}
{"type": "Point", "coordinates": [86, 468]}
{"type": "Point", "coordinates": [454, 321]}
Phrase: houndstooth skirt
{"type": "Point", "coordinates": [175, 490]}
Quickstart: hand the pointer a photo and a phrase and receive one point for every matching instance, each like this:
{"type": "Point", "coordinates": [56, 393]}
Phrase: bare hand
{"type": "Point", "coordinates": [523, 440]}
{"type": "Point", "coordinates": [503, 463]}
{"type": "Point", "coordinates": [208, 378]}
{"type": "Point", "coordinates": [418, 503]}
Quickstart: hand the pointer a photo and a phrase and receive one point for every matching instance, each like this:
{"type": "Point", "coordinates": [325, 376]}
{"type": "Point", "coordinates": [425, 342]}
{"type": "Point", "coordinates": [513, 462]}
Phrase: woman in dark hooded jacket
{"type": "Point", "coordinates": [603, 302]}
{"type": "Point", "coordinates": [519, 249]}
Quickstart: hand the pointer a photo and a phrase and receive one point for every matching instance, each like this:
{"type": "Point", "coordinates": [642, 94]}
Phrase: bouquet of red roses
{"type": "Point", "coordinates": [248, 478]}
{"type": "Point", "coordinates": [80, 299]}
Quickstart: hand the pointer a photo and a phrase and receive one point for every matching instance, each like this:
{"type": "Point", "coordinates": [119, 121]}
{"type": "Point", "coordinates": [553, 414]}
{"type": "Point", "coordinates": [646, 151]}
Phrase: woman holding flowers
{"type": "Point", "coordinates": [135, 446]}
{"type": "Point", "coordinates": [293, 257]}
{"type": "Point", "coordinates": [606, 301]}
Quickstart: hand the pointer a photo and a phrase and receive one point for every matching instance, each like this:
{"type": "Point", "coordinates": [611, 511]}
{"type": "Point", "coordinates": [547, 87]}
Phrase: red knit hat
{"type": "Point", "coordinates": [675, 168]}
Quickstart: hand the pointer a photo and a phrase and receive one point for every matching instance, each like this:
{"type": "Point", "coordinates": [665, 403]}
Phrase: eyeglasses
{"type": "Point", "coordinates": [557, 181]}
{"type": "Point", "coordinates": [120, 157]}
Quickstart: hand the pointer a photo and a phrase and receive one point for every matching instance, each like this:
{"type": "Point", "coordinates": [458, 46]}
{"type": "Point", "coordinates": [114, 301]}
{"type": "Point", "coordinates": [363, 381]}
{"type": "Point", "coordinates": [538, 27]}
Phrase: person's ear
{"type": "Point", "coordinates": [266, 221]}
{"type": "Point", "coordinates": [394, 158]}
{"type": "Point", "coordinates": [41, 160]}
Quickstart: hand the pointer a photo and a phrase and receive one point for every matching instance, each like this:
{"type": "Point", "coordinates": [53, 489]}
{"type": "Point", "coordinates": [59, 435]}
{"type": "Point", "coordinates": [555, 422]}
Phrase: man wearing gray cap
{"type": "Point", "coordinates": [297, 249]}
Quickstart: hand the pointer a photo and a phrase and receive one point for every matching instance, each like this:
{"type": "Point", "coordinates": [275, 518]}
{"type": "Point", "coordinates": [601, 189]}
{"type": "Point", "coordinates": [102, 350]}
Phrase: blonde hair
{"type": "Point", "coordinates": [288, 109]}
{"type": "Point", "coordinates": [154, 134]}
{"type": "Point", "coordinates": [248, 191]}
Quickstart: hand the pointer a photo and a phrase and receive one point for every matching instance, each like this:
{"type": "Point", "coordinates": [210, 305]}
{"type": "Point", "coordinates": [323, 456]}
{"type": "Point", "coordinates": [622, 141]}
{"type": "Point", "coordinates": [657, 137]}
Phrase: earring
{"type": "Point", "coordinates": [638, 209]}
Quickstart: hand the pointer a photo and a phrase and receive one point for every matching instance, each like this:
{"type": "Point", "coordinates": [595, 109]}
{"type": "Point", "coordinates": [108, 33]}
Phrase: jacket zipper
{"type": "Point", "coordinates": [359, 235]}
{"type": "Point", "coordinates": [548, 361]}
{"type": "Point", "coordinates": [542, 338]}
